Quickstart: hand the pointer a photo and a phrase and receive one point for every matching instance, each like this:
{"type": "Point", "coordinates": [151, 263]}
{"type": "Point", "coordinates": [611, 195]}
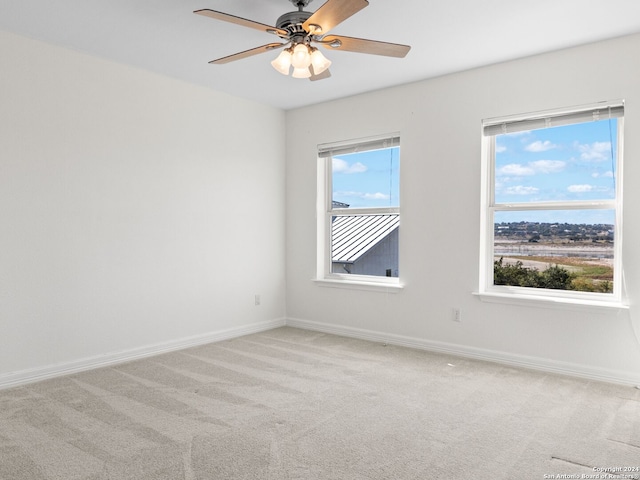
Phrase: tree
{"type": "Point", "coordinates": [554, 276]}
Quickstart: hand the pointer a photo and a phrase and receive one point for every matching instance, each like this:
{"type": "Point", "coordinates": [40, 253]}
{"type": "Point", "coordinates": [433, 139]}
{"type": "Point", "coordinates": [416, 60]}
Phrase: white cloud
{"type": "Point", "coordinates": [608, 174]}
{"type": "Point", "coordinates": [540, 146]}
{"type": "Point", "coordinates": [548, 166]}
{"type": "Point", "coordinates": [375, 196]}
{"type": "Point", "coordinates": [532, 168]}
{"type": "Point", "coordinates": [500, 148]}
{"type": "Point", "coordinates": [340, 166]}
{"type": "Point", "coordinates": [580, 188]}
{"type": "Point", "coordinates": [521, 190]}
{"type": "Point", "coordinates": [364, 195]}
{"type": "Point", "coordinates": [597, 151]}
{"type": "Point", "coordinates": [515, 169]}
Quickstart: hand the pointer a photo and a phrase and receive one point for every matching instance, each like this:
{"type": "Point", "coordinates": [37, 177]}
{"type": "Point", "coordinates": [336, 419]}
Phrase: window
{"type": "Point", "coordinates": [359, 211]}
{"type": "Point", "coordinates": [552, 205]}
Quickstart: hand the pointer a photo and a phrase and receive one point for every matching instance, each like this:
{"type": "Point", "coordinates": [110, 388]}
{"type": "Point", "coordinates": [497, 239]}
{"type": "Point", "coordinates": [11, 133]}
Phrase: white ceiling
{"type": "Point", "coordinates": [164, 36]}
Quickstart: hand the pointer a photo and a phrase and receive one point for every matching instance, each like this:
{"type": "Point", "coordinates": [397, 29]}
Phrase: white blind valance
{"type": "Point", "coordinates": [327, 150]}
{"type": "Point", "coordinates": [592, 114]}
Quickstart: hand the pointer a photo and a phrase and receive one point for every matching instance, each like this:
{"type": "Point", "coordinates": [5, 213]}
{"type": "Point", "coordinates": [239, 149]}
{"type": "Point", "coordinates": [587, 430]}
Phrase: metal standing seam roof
{"type": "Point", "coordinates": [354, 235]}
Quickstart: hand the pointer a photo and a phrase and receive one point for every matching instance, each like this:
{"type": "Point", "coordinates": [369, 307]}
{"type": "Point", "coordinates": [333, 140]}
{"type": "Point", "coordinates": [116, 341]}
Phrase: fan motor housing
{"type": "Point", "coordinates": [292, 21]}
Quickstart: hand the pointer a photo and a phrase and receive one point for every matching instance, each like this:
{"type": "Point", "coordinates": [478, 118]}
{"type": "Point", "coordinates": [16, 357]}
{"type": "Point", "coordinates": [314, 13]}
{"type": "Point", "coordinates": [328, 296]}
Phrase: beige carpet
{"type": "Point", "coordinates": [292, 404]}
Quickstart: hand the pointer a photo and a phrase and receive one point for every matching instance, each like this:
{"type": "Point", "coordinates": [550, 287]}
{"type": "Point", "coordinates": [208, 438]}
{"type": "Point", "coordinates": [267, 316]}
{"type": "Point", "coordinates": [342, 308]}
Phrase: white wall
{"type": "Point", "coordinates": [135, 210]}
{"type": "Point", "coordinates": [439, 121]}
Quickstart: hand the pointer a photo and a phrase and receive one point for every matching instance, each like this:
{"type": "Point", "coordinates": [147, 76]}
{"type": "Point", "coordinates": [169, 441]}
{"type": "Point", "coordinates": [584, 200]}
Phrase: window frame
{"type": "Point", "coordinates": [489, 207]}
{"type": "Point", "coordinates": [326, 211]}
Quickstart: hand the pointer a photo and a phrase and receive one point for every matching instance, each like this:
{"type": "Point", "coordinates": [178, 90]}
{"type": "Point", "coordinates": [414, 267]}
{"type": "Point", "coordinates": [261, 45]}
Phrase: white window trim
{"type": "Point", "coordinates": [324, 276]}
{"type": "Point", "coordinates": [489, 292]}
{"type": "Point", "coordinates": [513, 297]}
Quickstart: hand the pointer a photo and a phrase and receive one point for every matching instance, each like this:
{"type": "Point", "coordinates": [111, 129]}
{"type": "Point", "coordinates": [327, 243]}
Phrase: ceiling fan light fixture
{"type": "Point", "coordinates": [319, 61]}
{"type": "Point", "coordinates": [301, 72]}
{"type": "Point", "coordinates": [301, 57]}
{"type": "Point", "coordinates": [282, 63]}
{"type": "Point", "coordinates": [299, 30]}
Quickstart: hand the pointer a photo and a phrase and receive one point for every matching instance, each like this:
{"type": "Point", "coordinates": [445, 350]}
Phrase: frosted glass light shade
{"type": "Point", "coordinates": [300, 57]}
{"type": "Point", "coordinates": [319, 61]}
{"type": "Point", "coordinates": [301, 73]}
{"type": "Point", "coordinates": [282, 63]}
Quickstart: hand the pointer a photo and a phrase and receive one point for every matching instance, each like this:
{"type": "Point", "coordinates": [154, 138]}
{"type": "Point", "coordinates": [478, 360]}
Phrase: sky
{"type": "Point", "coordinates": [367, 179]}
{"type": "Point", "coordinates": [567, 163]}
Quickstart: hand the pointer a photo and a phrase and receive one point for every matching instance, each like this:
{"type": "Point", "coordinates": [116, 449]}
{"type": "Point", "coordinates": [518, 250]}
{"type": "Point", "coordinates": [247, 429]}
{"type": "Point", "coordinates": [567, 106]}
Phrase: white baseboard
{"type": "Point", "coordinates": [15, 379]}
{"type": "Point", "coordinates": [522, 361]}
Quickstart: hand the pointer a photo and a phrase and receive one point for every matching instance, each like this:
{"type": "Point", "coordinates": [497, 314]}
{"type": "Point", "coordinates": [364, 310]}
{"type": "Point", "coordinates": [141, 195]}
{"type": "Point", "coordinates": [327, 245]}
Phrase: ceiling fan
{"type": "Point", "coordinates": [301, 29]}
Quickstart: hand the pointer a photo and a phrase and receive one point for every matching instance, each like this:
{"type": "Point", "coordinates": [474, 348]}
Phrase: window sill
{"type": "Point", "coordinates": [360, 285]}
{"type": "Point", "coordinates": [550, 302]}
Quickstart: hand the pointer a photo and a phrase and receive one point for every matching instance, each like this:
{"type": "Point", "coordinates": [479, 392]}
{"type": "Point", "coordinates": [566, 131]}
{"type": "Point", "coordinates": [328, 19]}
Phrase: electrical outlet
{"type": "Point", "coordinates": [456, 315]}
{"type": "Point", "coordinates": [257, 300]}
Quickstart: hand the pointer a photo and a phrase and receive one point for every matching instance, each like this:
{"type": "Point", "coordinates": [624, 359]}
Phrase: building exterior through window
{"type": "Point", "coordinates": [359, 221]}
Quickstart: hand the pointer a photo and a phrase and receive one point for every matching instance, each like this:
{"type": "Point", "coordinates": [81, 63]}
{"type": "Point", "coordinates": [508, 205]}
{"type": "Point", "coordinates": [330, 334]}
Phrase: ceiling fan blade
{"type": "Point", "coordinates": [320, 76]}
{"type": "Point", "coordinates": [361, 45]}
{"type": "Point", "coordinates": [225, 17]}
{"type": "Point", "coordinates": [331, 13]}
{"type": "Point", "coordinates": [248, 53]}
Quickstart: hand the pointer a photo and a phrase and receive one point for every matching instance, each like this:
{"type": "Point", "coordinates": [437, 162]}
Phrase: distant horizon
{"type": "Point", "coordinates": [555, 223]}
{"type": "Point", "coordinates": [575, 217]}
